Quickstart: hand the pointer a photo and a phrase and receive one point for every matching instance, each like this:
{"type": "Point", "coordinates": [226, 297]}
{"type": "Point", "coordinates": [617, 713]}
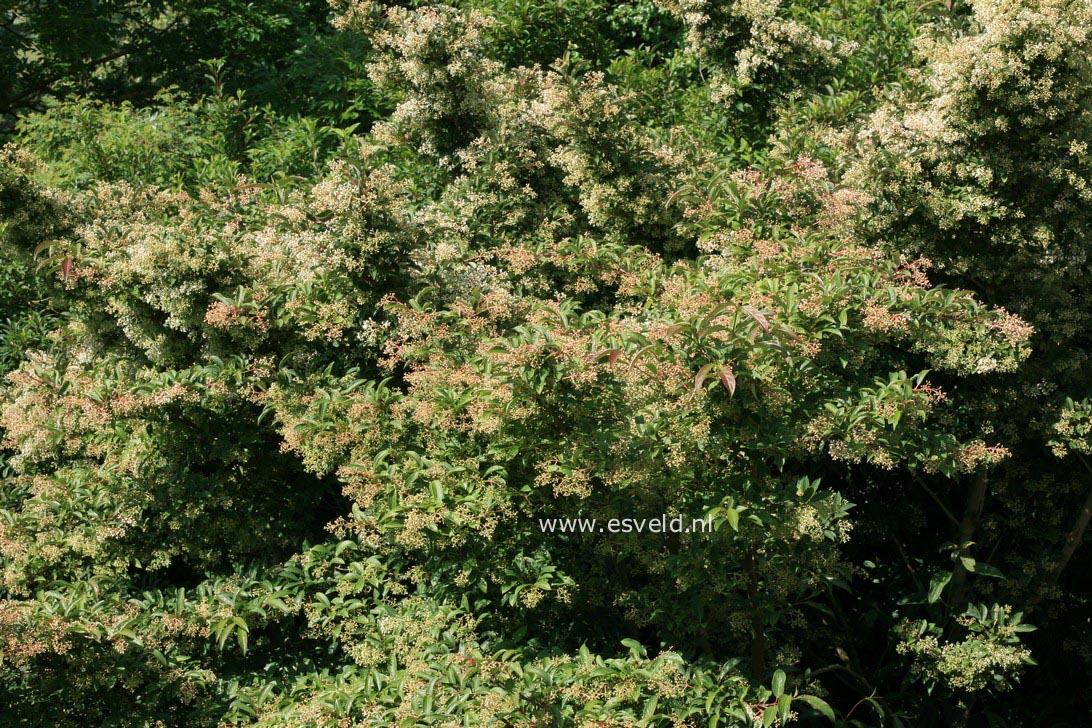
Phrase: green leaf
{"type": "Point", "coordinates": [937, 584]}
{"type": "Point", "coordinates": [241, 636]}
{"type": "Point", "coordinates": [784, 705]}
{"type": "Point", "coordinates": [987, 570]}
{"type": "Point", "coordinates": [778, 685]}
{"type": "Point", "coordinates": [650, 708]}
{"type": "Point", "coordinates": [819, 704]}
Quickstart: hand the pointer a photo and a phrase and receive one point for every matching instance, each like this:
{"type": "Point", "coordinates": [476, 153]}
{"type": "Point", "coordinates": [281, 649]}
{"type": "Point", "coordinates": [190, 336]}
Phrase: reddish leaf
{"type": "Point", "coordinates": [759, 317]}
{"type": "Point", "coordinates": [728, 378]}
{"type": "Point", "coordinates": [699, 379]}
{"type": "Point", "coordinates": [612, 355]}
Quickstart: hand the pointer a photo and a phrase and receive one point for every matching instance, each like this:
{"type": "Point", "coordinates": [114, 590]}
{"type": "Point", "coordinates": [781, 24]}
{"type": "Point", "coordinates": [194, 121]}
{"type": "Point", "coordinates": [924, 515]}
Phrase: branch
{"type": "Point", "coordinates": [1076, 535]}
{"type": "Point", "coordinates": [42, 85]}
{"type": "Point", "coordinates": [906, 560]}
{"type": "Point", "coordinates": [976, 499]}
{"type": "Point", "coordinates": [758, 631]}
{"type": "Point", "coordinates": [1072, 541]}
{"type": "Point", "coordinates": [856, 677]}
{"type": "Point", "coordinates": [954, 521]}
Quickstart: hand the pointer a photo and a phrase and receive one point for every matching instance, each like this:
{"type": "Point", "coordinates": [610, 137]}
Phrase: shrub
{"type": "Point", "coordinates": [293, 440]}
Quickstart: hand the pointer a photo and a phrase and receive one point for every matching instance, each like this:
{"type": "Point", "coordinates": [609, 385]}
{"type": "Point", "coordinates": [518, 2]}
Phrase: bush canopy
{"type": "Point", "coordinates": [337, 341]}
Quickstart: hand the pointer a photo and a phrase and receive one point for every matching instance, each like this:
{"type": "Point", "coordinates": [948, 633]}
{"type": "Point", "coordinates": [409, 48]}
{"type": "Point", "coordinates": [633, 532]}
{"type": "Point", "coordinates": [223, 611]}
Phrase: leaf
{"type": "Point", "coordinates": [987, 570]}
{"type": "Point", "coordinates": [650, 708]}
{"type": "Point", "coordinates": [784, 705]}
{"type": "Point", "coordinates": [937, 584]}
{"type": "Point", "coordinates": [968, 563]}
{"type": "Point", "coordinates": [728, 378]}
{"type": "Point", "coordinates": [699, 378]}
{"type": "Point", "coordinates": [759, 317]}
{"type": "Point", "coordinates": [733, 518]}
{"type": "Point", "coordinates": [612, 355]}
{"type": "Point", "coordinates": [222, 631]}
{"type": "Point", "coordinates": [44, 246]}
{"type": "Point", "coordinates": [642, 350]}
{"type": "Point", "coordinates": [819, 704]}
{"type": "Point", "coordinates": [778, 684]}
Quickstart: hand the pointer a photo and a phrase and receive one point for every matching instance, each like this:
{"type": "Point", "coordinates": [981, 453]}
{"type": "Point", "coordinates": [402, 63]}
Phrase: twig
{"type": "Point", "coordinates": [936, 499]}
{"type": "Point", "coordinates": [1072, 541]}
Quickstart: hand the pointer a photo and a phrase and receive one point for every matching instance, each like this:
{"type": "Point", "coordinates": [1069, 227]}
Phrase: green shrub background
{"type": "Point", "coordinates": [310, 313]}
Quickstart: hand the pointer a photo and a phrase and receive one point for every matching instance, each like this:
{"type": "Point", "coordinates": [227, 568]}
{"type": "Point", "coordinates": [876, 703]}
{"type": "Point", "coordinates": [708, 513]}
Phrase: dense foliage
{"type": "Point", "coordinates": [312, 318]}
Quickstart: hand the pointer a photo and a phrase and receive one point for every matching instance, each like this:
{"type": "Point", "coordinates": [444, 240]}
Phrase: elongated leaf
{"type": "Point", "coordinates": [759, 317]}
{"type": "Point", "coordinates": [699, 378]}
{"type": "Point", "coordinates": [728, 378]}
{"type": "Point", "coordinates": [819, 704]}
{"type": "Point", "coordinates": [937, 584]}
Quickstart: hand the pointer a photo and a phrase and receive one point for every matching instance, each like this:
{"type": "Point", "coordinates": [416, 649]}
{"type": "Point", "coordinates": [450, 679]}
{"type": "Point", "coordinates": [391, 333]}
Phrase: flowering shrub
{"type": "Point", "coordinates": [278, 450]}
{"type": "Point", "coordinates": [744, 40]}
